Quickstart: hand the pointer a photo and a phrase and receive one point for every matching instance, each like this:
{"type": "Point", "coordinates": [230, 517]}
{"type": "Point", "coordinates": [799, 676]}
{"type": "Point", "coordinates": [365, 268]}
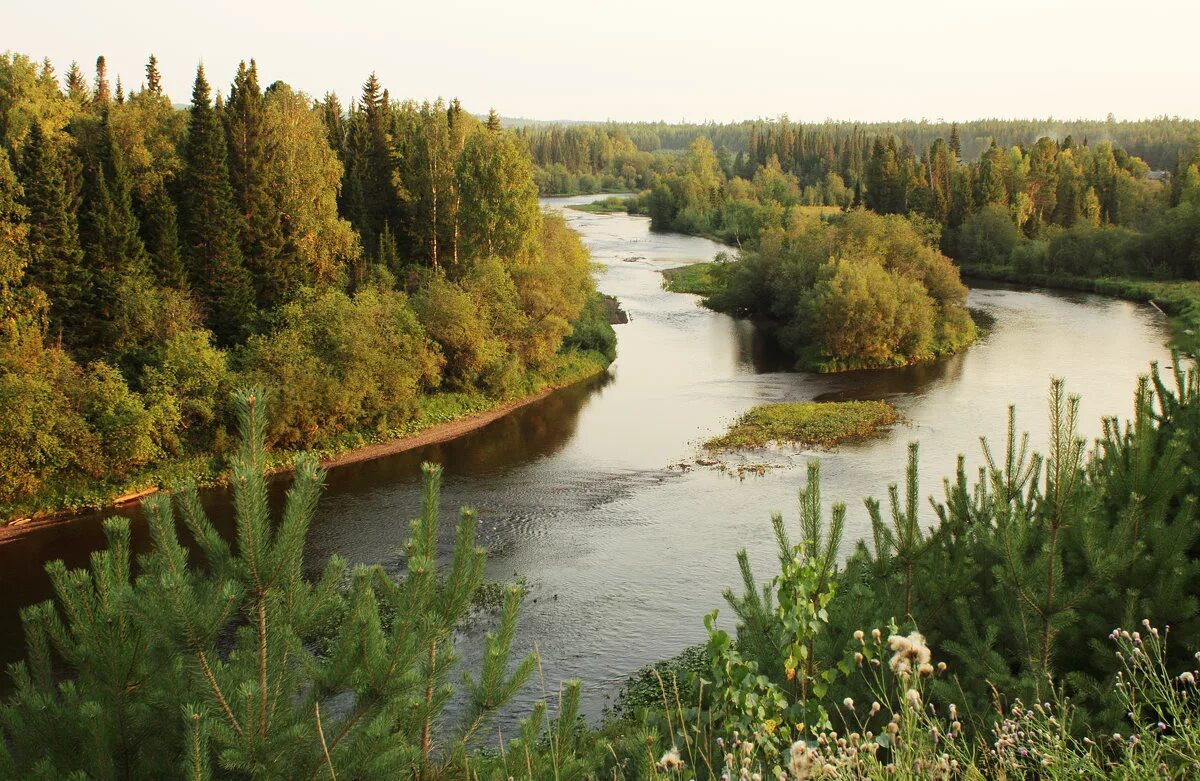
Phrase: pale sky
{"type": "Point", "coordinates": [650, 60]}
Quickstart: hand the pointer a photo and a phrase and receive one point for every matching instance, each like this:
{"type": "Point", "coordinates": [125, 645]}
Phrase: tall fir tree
{"type": "Point", "coordinates": [249, 152]}
{"type": "Point", "coordinates": [158, 219]}
{"type": "Point", "coordinates": [153, 77]}
{"type": "Point", "coordinates": [102, 93]}
{"type": "Point", "coordinates": [335, 125]}
{"type": "Point", "coordinates": [77, 88]}
{"type": "Point", "coordinates": [109, 235]}
{"type": "Point", "coordinates": [370, 195]}
{"type": "Point", "coordinates": [56, 259]}
{"type": "Point", "coordinates": [210, 225]}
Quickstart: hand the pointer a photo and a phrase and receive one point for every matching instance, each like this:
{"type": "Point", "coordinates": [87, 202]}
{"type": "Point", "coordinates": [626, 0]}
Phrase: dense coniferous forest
{"type": "Point", "coordinates": [377, 267]}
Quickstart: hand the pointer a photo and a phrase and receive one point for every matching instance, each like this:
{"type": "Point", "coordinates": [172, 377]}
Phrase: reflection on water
{"type": "Point", "coordinates": [623, 555]}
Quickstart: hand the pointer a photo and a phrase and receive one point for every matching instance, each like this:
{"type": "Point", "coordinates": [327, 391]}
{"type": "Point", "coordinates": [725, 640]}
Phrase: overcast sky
{"type": "Point", "coordinates": [649, 59]}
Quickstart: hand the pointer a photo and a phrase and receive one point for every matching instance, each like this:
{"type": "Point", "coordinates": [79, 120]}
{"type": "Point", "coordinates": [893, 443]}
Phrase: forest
{"type": "Point", "coordinates": [1069, 213]}
{"type": "Point", "coordinates": [376, 268]}
{"type": "Point", "coordinates": [584, 157]}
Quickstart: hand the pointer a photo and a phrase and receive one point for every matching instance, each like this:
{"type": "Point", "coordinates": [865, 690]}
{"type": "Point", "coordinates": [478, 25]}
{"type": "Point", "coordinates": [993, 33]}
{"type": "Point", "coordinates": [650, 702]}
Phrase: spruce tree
{"type": "Point", "coordinates": [109, 234]}
{"type": "Point", "coordinates": [249, 151]}
{"type": "Point", "coordinates": [77, 88]}
{"type": "Point", "coordinates": [55, 257]}
{"type": "Point", "coordinates": [153, 77]}
{"type": "Point", "coordinates": [210, 225]}
{"type": "Point", "coordinates": [102, 93]}
{"type": "Point", "coordinates": [335, 126]}
{"type": "Point", "coordinates": [370, 196]}
{"type": "Point", "coordinates": [158, 219]}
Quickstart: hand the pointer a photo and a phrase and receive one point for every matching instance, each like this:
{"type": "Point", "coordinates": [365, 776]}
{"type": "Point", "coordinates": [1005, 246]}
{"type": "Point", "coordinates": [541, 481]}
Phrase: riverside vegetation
{"type": "Point", "coordinates": [380, 269]}
{"type": "Point", "coordinates": [970, 646]}
{"type": "Point", "coordinates": [1005, 200]}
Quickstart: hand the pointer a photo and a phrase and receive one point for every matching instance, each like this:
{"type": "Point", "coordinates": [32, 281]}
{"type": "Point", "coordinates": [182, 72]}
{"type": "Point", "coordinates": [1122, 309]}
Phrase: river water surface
{"type": "Point", "coordinates": [580, 494]}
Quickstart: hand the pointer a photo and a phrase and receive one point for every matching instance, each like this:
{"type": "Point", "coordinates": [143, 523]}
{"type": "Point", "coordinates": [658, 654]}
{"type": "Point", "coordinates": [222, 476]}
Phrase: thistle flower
{"type": "Point", "coordinates": [913, 697]}
{"type": "Point", "coordinates": [848, 703]}
{"type": "Point", "coordinates": [801, 761]}
{"type": "Point", "coordinates": [909, 652]}
{"type": "Point", "coordinates": [670, 761]}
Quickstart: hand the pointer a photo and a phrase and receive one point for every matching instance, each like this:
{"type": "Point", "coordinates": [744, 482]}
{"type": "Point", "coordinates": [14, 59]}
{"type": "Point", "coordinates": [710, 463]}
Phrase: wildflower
{"type": "Point", "coordinates": [801, 761]}
{"type": "Point", "coordinates": [1188, 678]}
{"type": "Point", "coordinates": [858, 658]}
{"type": "Point", "coordinates": [848, 704]}
{"type": "Point", "coordinates": [925, 670]}
{"type": "Point", "coordinates": [770, 725]}
{"type": "Point", "coordinates": [913, 697]}
{"type": "Point", "coordinates": [908, 651]}
{"type": "Point", "coordinates": [858, 635]}
{"type": "Point", "coordinates": [875, 633]}
{"type": "Point", "coordinates": [875, 706]}
{"type": "Point", "coordinates": [670, 761]}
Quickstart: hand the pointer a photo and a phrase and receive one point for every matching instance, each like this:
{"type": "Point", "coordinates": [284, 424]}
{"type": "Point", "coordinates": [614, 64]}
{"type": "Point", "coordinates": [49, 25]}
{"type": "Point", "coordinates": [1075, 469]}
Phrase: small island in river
{"type": "Point", "coordinates": [806, 424]}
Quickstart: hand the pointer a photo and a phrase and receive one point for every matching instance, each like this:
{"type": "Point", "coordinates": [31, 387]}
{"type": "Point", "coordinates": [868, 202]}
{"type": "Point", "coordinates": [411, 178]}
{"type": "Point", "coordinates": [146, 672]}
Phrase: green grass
{"type": "Point", "coordinates": [696, 279]}
{"type": "Point", "coordinates": [807, 424]}
{"type": "Point", "coordinates": [1179, 299]}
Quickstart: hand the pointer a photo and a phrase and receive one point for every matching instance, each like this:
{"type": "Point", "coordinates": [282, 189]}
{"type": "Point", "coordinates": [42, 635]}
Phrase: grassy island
{"type": "Point", "coordinates": [695, 278]}
{"type": "Point", "coordinates": [614, 204]}
{"type": "Point", "coordinates": [808, 424]}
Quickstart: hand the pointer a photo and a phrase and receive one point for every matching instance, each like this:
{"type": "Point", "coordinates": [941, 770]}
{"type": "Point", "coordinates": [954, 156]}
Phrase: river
{"type": "Point", "coordinates": [580, 494]}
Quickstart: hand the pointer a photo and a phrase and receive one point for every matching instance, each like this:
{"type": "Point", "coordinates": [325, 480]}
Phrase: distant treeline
{"type": "Point", "coordinates": [813, 150]}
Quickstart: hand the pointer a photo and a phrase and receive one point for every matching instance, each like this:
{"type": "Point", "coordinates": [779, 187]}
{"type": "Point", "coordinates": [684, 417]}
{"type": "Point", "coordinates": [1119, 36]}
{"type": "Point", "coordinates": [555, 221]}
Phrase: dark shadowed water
{"type": "Point", "coordinates": [623, 553]}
